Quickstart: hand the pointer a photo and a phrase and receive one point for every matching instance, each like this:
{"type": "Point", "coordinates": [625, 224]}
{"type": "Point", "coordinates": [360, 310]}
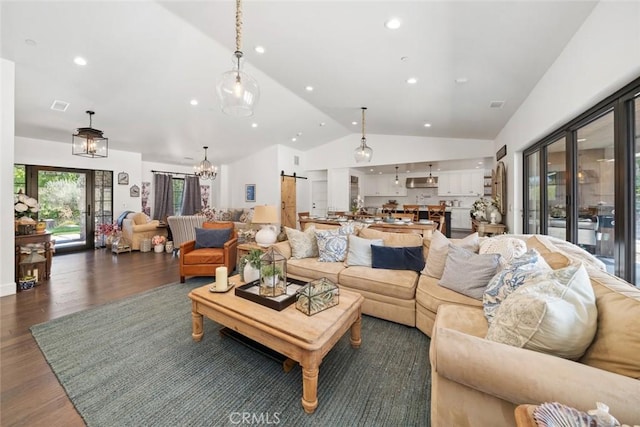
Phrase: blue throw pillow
{"type": "Point", "coordinates": [392, 258]}
{"type": "Point", "coordinates": [212, 237]}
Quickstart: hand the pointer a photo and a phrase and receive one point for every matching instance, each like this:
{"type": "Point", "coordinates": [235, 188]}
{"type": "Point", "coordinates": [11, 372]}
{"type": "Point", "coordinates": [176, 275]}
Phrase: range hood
{"type": "Point", "coordinates": [422, 182]}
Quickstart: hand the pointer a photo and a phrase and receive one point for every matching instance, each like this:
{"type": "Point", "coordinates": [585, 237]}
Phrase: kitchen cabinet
{"type": "Point", "coordinates": [384, 185]}
{"type": "Point", "coordinates": [460, 218]}
{"type": "Point", "coordinates": [461, 183]}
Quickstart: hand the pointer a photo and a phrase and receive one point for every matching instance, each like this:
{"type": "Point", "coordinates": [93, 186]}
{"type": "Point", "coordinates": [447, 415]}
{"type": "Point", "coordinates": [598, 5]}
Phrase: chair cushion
{"type": "Point", "coordinates": [204, 256]}
{"type": "Point", "coordinates": [401, 258]}
{"type": "Point", "coordinates": [211, 237]}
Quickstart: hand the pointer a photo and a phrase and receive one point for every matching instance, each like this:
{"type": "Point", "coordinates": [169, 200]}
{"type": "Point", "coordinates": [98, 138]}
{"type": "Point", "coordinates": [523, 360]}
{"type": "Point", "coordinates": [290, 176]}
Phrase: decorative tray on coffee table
{"type": "Point", "coordinates": [251, 291]}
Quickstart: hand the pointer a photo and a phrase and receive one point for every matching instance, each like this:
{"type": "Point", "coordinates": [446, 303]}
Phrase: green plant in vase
{"type": "Point", "coordinates": [270, 277]}
{"type": "Point", "coordinates": [250, 266]}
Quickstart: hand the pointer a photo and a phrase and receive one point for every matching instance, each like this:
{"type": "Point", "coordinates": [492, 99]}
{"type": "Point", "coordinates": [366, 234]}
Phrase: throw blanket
{"type": "Point", "coordinates": [121, 218]}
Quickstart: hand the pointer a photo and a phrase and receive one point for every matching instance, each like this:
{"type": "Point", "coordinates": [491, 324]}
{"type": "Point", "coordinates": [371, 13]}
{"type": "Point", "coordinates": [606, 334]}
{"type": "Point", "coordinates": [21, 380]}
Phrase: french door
{"type": "Point", "coordinates": [66, 201]}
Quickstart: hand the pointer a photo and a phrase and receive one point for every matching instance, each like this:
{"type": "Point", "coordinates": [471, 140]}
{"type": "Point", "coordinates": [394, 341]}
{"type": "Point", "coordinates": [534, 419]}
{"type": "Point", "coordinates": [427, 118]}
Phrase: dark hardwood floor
{"type": "Point", "coordinates": [30, 392]}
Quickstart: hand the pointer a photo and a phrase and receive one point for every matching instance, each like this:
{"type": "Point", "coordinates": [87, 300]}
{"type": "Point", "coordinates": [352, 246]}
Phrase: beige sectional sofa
{"type": "Point", "coordinates": [478, 382]}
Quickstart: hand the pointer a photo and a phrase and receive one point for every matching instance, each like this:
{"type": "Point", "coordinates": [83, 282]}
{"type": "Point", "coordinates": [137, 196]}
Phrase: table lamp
{"type": "Point", "coordinates": [267, 216]}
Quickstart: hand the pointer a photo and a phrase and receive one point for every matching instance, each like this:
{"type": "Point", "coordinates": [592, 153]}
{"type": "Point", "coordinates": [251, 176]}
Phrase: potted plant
{"type": "Point", "coordinates": [158, 243]}
{"type": "Point", "coordinates": [250, 266]}
{"type": "Point", "coordinates": [270, 275]}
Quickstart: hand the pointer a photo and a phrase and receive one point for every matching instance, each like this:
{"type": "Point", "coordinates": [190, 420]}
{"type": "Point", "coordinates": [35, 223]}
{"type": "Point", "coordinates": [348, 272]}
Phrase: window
{"type": "Point", "coordinates": [19, 179]}
{"type": "Point", "coordinates": [178, 187]}
{"type": "Point", "coordinates": [591, 194]}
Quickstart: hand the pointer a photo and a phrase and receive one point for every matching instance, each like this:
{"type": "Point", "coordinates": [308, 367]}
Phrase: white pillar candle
{"type": "Point", "coordinates": [221, 278]}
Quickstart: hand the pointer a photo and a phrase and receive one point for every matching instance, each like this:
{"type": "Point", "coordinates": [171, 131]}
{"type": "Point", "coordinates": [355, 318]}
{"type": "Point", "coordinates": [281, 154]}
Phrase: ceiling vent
{"type": "Point", "coordinates": [496, 104]}
{"type": "Point", "coordinates": [60, 105]}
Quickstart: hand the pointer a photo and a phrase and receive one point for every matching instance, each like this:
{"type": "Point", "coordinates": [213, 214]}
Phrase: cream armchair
{"type": "Point", "coordinates": [137, 226]}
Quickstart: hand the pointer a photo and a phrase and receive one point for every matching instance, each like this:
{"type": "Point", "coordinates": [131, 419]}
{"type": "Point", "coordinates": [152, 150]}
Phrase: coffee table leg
{"type": "Point", "coordinates": [310, 388]}
{"type": "Point", "coordinates": [356, 328]}
{"type": "Point", "coordinates": [196, 321]}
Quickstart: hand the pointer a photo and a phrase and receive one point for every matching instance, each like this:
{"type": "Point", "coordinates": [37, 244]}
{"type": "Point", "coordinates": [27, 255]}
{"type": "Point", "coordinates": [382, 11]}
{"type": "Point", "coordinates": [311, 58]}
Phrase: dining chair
{"type": "Point", "coordinates": [403, 216]}
{"type": "Point", "coordinates": [436, 212]}
{"type": "Point", "coordinates": [412, 209]}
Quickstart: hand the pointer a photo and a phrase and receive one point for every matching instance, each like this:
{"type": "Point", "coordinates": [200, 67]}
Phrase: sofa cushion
{"type": "Point", "coordinates": [431, 295]}
{"type": "Point", "coordinates": [312, 268]}
{"type": "Point", "coordinates": [247, 216]}
{"type": "Point", "coordinates": [303, 243]}
{"type": "Point", "coordinates": [212, 237]}
{"type": "Point", "coordinates": [510, 278]}
{"type": "Point", "coordinates": [467, 272]}
{"type": "Point", "coordinates": [359, 250]}
{"type": "Point", "coordinates": [404, 258]}
{"type": "Point", "coordinates": [616, 346]}
{"type": "Point", "coordinates": [392, 239]}
{"type": "Point", "coordinates": [204, 256]}
{"type": "Point", "coordinates": [555, 314]}
{"type": "Point", "coordinates": [399, 284]}
{"type": "Point", "coordinates": [508, 248]}
{"type": "Point", "coordinates": [438, 248]}
{"type": "Point", "coordinates": [551, 254]}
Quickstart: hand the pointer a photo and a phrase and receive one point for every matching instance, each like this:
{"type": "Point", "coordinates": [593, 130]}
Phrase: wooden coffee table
{"type": "Point", "coordinates": [305, 339]}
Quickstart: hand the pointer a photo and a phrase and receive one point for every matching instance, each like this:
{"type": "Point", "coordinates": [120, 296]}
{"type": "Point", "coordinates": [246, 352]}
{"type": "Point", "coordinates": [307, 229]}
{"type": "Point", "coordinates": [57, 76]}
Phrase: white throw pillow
{"type": "Point", "coordinates": [439, 248]}
{"type": "Point", "coordinates": [555, 314]}
{"type": "Point", "coordinates": [359, 252]}
{"type": "Point", "coordinates": [508, 248]}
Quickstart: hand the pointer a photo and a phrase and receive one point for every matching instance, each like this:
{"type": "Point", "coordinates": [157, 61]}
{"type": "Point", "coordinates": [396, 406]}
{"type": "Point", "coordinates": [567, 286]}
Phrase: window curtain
{"type": "Point", "coordinates": [163, 196]}
{"type": "Point", "coordinates": [191, 199]}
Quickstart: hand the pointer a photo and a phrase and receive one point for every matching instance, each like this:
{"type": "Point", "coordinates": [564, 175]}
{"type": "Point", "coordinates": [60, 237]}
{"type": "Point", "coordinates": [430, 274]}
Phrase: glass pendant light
{"type": "Point", "coordinates": [397, 181]}
{"type": "Point", "coordinates": [363, 153]}
{"type": "Point", "coordinates": [238, 91]}
{"type": "Point", "coordinates": [430, 179]}
{"type": "Point", "coordinates": [205, 170]}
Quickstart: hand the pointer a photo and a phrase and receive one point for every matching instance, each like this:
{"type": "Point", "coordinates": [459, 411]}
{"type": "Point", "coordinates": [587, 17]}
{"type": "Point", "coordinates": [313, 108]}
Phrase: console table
{"type": "Point", "coordinates": [24, 240]}
{"type": "Point", "coordinates": [486, 228]}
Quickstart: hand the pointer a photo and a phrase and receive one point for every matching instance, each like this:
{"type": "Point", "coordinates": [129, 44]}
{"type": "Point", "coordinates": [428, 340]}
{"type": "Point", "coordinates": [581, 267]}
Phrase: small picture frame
{"type": "Point", "coordinates": [134, 191]}
{"type": "Point", "coordinates": [123, 178]}
{"type": "Point", "coordinates": [250, 193]}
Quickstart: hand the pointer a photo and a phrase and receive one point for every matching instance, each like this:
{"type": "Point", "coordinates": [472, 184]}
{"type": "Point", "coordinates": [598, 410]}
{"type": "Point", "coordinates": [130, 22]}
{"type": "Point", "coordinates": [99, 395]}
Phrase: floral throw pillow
{"type": "Point", "coordinates": [332, 244]}
{"type": "Point", "coordinates": [510, 278]}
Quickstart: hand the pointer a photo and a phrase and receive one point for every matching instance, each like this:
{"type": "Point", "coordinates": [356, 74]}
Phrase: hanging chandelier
{"type": "Point", "coordinates": [205, 170]}
{"type": "Point", "coordinates": [238, 91]}
{"type": "Point", "coordinates": [430, 179]}
{"type": "Point", "coordinates": [397, 181]}
{"type": "Point", "coordinates": [363, 153]}
{"type": "Point", "coordinates": [89, 142]}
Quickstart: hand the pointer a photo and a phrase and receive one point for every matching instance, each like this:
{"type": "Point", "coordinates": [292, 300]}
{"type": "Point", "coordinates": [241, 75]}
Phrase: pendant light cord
{"type": "Point", "coordinates": [238, 25]}
{"type": "Point", "coordinates": [364, 139]}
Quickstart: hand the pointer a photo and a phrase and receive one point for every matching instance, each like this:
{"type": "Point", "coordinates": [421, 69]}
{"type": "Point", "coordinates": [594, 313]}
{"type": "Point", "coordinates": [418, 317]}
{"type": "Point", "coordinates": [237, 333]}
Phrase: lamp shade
{"type": "Point", "coordinates": [265, 215]}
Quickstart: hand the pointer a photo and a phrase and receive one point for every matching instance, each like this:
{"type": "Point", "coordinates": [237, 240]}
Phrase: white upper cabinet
{"type": "Point", "coordinates": [461, 183]}
{"type": "Point", "coordinates": [384, 185]}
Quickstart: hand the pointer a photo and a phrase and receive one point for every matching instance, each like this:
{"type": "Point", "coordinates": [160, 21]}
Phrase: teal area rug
{"type": "Point", "coordinates": [133, 363]}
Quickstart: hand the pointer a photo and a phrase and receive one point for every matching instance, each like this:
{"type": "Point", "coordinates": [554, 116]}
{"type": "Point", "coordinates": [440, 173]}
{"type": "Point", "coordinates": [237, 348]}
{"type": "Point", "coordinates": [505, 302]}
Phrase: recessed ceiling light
{"type": "Point", "coordinates": [479, 163]}
{"type": "Point", "coordinates": [308, 88]}
{"type": "Point", "coordinates": [438, 169]}
{"type": "Point", "coordinates": [408, 170]}
{"type": "Point", "coordinates": [380, 173]}
{"type": "Point", "coordinates": [259, 49]}
{"type": "Point", "coordinates": [371, 170]}
{"type": "Point", "coordinates": [254, 125]}
{"type": "Point", "coordinates": [294, 139]}
{"type": "Point", "coordinates": [477, 167]}
{"type": "Point", "coordinates": [412, 80]}
{"type": "Point", "coordinates": [78, 60]}
{"type": "Point", "coordinates": [354, 123]}
{"type": "Point", "coordinates": [461, 80]}
{"type": "Point", "coordinates": [582, 139]}
{"type": "Point", "coordinates": [427, 125]}
{"type": "Point", "coordinates": [393, 24]}
{"type": "Point", "coordinates": [193, 102]}
{"type": "Point", "coordinates": [322, 123]}
{"type": "Point", "coordinates": [30, 42]}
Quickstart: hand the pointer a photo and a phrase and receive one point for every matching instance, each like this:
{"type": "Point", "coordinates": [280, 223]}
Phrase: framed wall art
{"type": "Point", "coordinates": [134, 191]}
{"type": "Point", "coordinates": [123, 178]}
{"type": "Point", "coordinates": [250, 193]}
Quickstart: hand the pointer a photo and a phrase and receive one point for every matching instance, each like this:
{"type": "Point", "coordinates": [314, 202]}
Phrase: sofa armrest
{"type": "Point", "coordinates": [150, 226]}
{"type": "Point", "coordinates": [284, 248]}
{"type": "Point", "coordinates": [523, 376]}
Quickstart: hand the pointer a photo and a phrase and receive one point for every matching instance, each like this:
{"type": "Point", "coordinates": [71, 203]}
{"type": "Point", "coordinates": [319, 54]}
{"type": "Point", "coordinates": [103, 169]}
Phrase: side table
{"type": "Point", "coordinates": [245, 248]}
{"type": "Point", "coordinates": [487, 229]}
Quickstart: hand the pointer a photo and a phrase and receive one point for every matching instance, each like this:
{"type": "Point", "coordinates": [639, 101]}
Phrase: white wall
{"type": "Point", "coordinates": [259, 168]}
{"type": "Point", "coordinates": [602, 57]}
{"type": "Point", "coordinates": [7, 245]}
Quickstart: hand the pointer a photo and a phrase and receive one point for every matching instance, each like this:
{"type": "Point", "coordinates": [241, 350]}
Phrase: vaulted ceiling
{"type": "Point", "coordinates": [147, 60]}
